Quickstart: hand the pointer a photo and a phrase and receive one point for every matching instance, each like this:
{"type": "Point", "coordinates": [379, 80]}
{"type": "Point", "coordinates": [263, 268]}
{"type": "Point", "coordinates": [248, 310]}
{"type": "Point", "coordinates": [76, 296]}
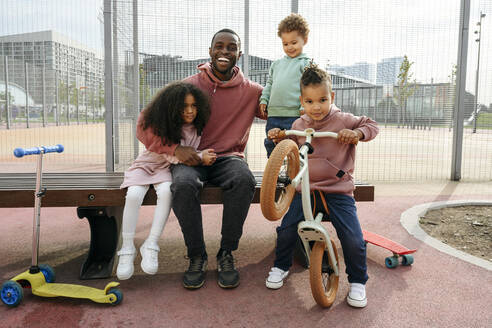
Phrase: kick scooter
{"type": "Point", "coordinates": [288, 167]}
{"type": "Point", "coordinates": [41, 278]}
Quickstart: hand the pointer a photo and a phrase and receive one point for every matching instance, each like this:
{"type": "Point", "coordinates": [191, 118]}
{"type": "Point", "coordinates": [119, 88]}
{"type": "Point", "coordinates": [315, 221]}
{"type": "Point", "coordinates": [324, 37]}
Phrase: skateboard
{"type": "Point", "coordinates": [398, 250]}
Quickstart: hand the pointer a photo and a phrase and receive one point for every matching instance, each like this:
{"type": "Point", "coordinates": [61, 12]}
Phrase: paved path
{"type": "Point", "coordinates": [438, 290]}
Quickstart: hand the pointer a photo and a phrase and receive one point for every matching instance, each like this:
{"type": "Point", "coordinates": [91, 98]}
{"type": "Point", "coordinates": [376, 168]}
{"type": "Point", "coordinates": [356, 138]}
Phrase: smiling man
{"type": "Point", "coordinates": [234, 103]}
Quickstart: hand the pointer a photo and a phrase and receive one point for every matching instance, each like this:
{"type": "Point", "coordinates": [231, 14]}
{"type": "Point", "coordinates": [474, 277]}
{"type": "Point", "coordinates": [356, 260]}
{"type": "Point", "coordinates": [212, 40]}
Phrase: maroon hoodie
{"type": "Point", "coordinates": [234, 104]}
{"type": "Point", "coordinates": [331, 165]}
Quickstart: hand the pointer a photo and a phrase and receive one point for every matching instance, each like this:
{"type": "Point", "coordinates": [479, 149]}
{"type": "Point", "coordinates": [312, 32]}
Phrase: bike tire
{"type": "Point", "coordinates": [285, 157]}
{"type": "Point", "coordinates": [324, 286]}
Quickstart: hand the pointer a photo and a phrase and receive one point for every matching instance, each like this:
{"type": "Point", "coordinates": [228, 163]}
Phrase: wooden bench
{"type": "Point", "coordinates": [98, 198]}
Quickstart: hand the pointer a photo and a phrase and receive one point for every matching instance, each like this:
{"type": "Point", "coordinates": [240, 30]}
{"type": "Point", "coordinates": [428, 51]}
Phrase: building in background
{"type": "Point", "coordinates": [59, 70]}
{"type": "Point", "coordinates": [387, 71]}
{"type": "Point", "coordinates": [362, 70]}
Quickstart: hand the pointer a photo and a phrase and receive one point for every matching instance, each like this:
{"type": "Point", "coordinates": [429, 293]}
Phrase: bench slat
{"type": "Point", "coordinates": [102, 189]}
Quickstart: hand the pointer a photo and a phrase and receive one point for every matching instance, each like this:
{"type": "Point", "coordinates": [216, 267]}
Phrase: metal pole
{"type": "Point", "coordinates": [246, 40]}
{"type": "Point", "coordinates": [43, 89]}
{"type": "Point", "coordinates": [294, 6]}
{"type": "Point", "coordinates": [68, 96]}
{"type": "Point", "coordinates": [7, 100]}
{"type": "Point", "coordinates": [26, 80]}
{"type": "Point", "coordinates": [108, 84]}
{"type": "Point", "coordinates": [93, 102]}
{"type": "Point", "coordinates": [77, 103]}
{"type": "Point", "coordinates": [136, 77]}
{"type": "Point", "coordinates": [85, 93]}
{"type": "Point", "coordinates": [38, 193]}
{"type": "Point", "coordinates": [475, 107]}
{"type": "Point", "coordinates": [459, 104]}
{"type": "Point", "coordinates": [116, 87]}
{"type": "Point", "coordinates": [57, 100]}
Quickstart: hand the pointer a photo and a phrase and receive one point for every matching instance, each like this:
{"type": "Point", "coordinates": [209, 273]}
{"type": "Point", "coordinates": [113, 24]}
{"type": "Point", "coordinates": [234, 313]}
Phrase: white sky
{"type": "Point", "coordinates": [342, 31]}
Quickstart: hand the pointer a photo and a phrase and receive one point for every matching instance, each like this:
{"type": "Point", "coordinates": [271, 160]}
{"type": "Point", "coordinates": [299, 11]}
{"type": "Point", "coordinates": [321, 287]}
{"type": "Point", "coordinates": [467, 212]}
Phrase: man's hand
{"type": "Point", "coordinates": [347, 136]}
{"type": "Point", "coordinates": [208, 157]}
{"type": "Point", "coordinates": [187, 155]}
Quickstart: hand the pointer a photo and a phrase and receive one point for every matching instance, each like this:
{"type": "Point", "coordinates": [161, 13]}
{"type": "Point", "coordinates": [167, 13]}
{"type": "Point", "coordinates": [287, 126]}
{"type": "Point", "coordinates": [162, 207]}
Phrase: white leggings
{"type": "Point", "coordinates": [134, 199]}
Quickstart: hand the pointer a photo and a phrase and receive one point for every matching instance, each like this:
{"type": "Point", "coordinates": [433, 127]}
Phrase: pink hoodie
{"type": "Point", "coordinates": [234, 104]}
{"type": "Point", "coordinates": [330, 157]}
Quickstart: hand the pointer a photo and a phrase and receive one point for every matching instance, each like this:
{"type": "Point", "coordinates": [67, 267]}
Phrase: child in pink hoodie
{"type": "Point", "coordinates": [331, 168]}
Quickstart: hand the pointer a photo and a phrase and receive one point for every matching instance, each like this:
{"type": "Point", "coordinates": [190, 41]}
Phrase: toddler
{"type": "Point", "coordinates": [280, 97]}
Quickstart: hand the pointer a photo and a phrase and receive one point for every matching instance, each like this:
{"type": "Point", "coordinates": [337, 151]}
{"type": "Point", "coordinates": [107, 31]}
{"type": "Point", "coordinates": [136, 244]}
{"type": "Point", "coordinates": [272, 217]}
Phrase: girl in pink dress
{"type": "Point", "coordinates": [175, 116]}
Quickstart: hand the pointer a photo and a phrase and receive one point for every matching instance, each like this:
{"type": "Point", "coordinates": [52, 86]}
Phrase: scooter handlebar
{"type": "Point", "coordinates": [20, 152]}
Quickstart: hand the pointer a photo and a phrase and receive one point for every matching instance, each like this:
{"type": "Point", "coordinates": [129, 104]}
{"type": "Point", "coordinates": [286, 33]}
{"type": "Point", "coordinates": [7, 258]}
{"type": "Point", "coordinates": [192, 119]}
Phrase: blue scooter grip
{"type": "Point", "coordinates": [20, 152]}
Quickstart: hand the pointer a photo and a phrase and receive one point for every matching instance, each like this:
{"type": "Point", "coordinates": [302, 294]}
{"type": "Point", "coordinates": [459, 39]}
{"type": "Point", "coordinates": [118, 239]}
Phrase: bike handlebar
{"type": "Point", "coordinates": [20, 152]}
{"type": "Point", "coordinates": [283, 133]}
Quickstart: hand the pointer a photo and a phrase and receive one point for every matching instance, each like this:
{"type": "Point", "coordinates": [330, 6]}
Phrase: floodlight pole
{"type": "Point", "coordinates": [475, 109]}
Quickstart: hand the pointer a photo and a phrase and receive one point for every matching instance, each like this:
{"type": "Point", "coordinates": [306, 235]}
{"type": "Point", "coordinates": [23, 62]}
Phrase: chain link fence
{"type": "Point", "coordinates": [395, 61]}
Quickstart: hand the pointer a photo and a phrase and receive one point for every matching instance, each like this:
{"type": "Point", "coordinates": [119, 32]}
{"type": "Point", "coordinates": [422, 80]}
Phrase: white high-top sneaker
{"type": "Point", "coordinates": [125, 263]}
{"type": "Point", "coordinates": [150, 257]}
{"type": "Point", "coordinates": [276, 278]}
{"type": "Point", "coordinates": [357, 295]}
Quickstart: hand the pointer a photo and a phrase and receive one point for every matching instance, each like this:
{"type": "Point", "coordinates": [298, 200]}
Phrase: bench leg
{"type": "Point", "coordinates": [105, 224]}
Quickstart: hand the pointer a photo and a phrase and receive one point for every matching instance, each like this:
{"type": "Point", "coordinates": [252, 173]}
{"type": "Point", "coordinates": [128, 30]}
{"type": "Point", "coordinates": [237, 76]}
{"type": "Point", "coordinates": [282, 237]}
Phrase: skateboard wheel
{"type": "Point", "coordinates": [116, 293]}
{"type": "Point", "coordinates": [406, 260]}
{"type": "Point", "coordinates": [11, 293]}
{"type": "Point", "coordinates": [48, 273]}
{"type": "Point", "coordinates": [391, 262]}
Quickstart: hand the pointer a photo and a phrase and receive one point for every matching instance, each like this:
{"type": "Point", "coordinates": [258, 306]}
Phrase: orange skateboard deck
{"type": "Point", "coordinates": [398, 250]}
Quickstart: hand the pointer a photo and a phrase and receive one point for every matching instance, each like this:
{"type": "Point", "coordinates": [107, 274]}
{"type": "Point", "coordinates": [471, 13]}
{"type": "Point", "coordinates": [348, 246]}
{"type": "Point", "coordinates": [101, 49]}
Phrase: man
{"type": "Point", "coordinates": [234, 103]}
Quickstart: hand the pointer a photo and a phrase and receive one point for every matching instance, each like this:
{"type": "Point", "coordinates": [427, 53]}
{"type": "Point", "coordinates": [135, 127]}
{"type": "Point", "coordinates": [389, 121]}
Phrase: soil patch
{"type": "Point", "coordinates": [467, 228]}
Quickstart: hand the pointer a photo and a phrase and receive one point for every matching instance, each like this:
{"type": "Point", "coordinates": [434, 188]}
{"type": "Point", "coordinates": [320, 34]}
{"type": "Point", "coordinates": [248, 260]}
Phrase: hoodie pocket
{"type": "Point", "coordinates": [321, 169]}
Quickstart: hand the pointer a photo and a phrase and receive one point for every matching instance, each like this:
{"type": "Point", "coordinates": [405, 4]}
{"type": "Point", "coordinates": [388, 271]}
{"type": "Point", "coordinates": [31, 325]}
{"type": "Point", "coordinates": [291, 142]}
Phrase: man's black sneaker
{"type": "Point", "coordinates": [228, 275]}
{"type": "Point", "coordinates": [194, 277]}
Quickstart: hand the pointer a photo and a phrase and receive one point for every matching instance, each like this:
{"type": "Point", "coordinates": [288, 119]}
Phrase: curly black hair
{"type": "Point", "coordinates": [293, 22]}
{"type": "Point", "coordinates": [163, 113]}
{"type": "Point", "coordinates": [314, 75]}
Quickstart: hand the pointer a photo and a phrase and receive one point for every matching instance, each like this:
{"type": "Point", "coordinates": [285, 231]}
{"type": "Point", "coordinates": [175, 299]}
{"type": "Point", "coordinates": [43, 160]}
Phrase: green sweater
{"type": "Point", "coordinates": [282, 90]}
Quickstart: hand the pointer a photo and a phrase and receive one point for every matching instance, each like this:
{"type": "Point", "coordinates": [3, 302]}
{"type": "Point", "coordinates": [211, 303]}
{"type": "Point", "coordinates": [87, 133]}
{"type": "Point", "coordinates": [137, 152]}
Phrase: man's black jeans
{"type": "Point", "coordinates": [232, 174]}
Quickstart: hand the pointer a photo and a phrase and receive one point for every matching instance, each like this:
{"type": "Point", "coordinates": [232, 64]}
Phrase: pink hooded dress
{"type": "Point", "coordinates": [151, 167]}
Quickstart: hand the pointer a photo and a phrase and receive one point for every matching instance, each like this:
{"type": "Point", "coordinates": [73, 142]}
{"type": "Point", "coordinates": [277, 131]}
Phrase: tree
{"type": "Point", "coordinates": [406, 88]}
{"type": "Point", "coordinates": [2, 97]}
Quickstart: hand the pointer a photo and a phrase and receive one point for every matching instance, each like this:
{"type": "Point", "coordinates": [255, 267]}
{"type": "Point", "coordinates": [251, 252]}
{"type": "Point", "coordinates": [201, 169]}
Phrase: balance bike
{"type": "Point", "coordinates": [41, 278]}
{"type": "Point", "coordinates": [287, 167]}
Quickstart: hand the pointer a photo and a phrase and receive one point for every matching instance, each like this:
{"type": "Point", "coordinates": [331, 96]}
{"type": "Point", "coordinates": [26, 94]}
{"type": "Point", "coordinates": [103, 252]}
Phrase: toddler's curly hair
{"type": "Point", "coordinates": [314, 75]}
{"type": "Point", "coordinates": [294, 22]}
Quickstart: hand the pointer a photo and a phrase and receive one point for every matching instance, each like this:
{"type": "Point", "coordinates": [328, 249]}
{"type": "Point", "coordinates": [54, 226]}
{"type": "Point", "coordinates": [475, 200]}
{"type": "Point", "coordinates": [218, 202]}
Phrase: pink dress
{"type": "Point", "coordinates": [151, 168]}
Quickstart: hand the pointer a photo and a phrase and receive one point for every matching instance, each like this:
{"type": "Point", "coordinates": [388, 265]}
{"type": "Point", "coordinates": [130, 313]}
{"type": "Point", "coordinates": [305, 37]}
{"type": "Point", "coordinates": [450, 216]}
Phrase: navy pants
{"type": "Point", "coordinates": [232, 175]}
{"type": "Point", "coordinates": [283, 123]}
{"type": "Point", "coordinates": [343, 216]}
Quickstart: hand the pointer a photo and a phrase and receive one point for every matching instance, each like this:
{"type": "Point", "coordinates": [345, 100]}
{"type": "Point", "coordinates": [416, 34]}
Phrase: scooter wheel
{"type": "Point", "coordinates": [11, 293]}
{"type": "Point", "coordinates": [118, 294]}
{"type": "Point", "coordinates": [48, 273]}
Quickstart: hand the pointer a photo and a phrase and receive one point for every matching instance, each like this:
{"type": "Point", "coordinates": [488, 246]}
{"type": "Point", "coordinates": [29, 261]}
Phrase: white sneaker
{"type": "Point", "coordinates": [357, 295]}
{"type": "Point", "coordinates": [150, 257]}
{"type": "Point", "coordinates": [276, 278]}
{"type": "Point", "coordinates": [125, 263]}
